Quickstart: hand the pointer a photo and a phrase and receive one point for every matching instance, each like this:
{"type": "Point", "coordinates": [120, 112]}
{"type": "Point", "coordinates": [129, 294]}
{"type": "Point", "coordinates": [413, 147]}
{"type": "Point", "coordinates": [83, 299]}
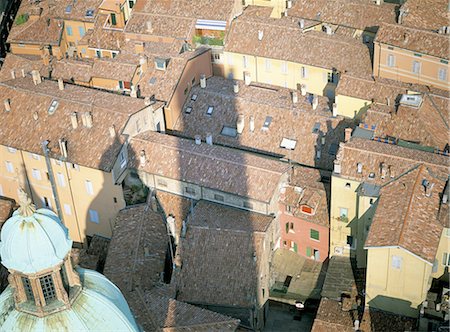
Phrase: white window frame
{"type": "Point", "coordinates": [67, 209]}
{"type": "Point", "coordinates": [9, 167]}
{"type": "Point", "coordinates": [93, 216]}
{"type": "Point", "coordinates": [245, 61]}
{"type": "Point", "coordinates": [343, 214]}
{"type": "Point", "coordinates": [61, 180]}
{"type": "Point", "coordinates": [396, 262]}
{"type": "Point", "coordinates": [268, 65]}
{"type": "Point", "coordinates": [304, 72]}
{"type": "Point", "coordinates": [35, 156]}
{"type": "Point", "coordinates": [390, 60]}
{"type": "Point", "coordinates": [89, 187]}
{"type": "Point", "coordinates": [446, 259]}
{"type": "Point", "coordinates": [12, 150]}
{"type": "Point", "coordinates": [416, 67]}
{"type": "Point", "coordinates": [284, 67]}
{"type": "Point", "coordinates": [36, 174]}
{"type": "Point", "coordinates": [442, 74]}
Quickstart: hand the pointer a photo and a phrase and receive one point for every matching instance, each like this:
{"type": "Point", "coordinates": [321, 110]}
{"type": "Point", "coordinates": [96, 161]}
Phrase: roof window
{"type": "Point", "coordinates": [316, 128]}
{"type": "Point", "coordinates": [68, 9]}
{"type": "Point", "coordinates": [229, 131]}
{"type": "Point", "coordinates": [267, 123]}
{"type": "Point", "coordinates": [90, 13]}
{"type": "Point", "coordinates": [53, 106]}
{"type": "Point", "coordinates": [194, 97]}
{"type": "Point", "coordinates": [188, 110]}
{"type": "Point", "coordinates": [288, 144]}
{"type": "Point", "coordinates": [210, 110]}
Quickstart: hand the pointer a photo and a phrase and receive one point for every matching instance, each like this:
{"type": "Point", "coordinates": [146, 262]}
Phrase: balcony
{"type": "Point", "coordinates": [204, 40]}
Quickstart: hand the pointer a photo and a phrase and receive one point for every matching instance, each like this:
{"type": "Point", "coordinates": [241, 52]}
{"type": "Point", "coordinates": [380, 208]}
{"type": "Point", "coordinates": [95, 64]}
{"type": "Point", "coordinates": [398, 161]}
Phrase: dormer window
{"type": "Point", "coordinates": [160, 64]}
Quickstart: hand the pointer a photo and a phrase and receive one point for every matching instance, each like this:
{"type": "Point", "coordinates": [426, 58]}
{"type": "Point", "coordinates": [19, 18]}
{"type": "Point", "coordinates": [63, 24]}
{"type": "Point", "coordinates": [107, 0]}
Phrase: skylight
{"type": "Point", "coordinates": [152, 80]}
{"type": "Point", "coordinates": [229, 131]}
{"type": "Point", "coordinates": [188, 110]}
{"type": "Point", "coordinates": [210, 110]}
{"type": "Point", "coordinates": [53, 106]}
{"type": "Point", "coordinates": [90, 13]}
{"type": "Point", "coordinates": [194, 97]}
{"type": "Point", "coordinates": [267, 123]}
{"type": "Point", "coordinates": [68, 9]}
{"type": "Point", "coordinates": [316, 128]}
{"type": "Point", "coordinates": [288, 143]}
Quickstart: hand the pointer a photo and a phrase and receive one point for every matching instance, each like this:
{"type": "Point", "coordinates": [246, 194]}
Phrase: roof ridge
{"type": "Point", "coordinates": [401, 175]}
{"type": "Point", "coordinates": [408, 210]}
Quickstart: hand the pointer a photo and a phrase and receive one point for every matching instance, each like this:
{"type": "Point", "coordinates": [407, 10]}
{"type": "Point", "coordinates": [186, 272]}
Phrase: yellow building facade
{"type": "Point", "coordinates": [89, 200]}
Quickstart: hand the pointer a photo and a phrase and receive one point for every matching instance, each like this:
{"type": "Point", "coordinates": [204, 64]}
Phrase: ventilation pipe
{"type": "Point", "coordinates": [7, 103]}
{"type": "Point", "coordinates": [60, 84]}
{"type": "Point", "coordinates": [198, 139]}
{"type": "Point", "coordinates": [252, 123]}
{"type": "Point", "coordinates": [209, 139]}
{"type": "Point", "coordinates": [294, 97]}
{"type": "Point", "coordinates": [142, 158]}
{"type": "Point", "coordinates": [240, 123]}
{"type": "Point", "coordinates": [203, 81]}
{"type": "Point", "coordinates": [74, 120]}
{"type": "Point", "coordinates": [236, 87]}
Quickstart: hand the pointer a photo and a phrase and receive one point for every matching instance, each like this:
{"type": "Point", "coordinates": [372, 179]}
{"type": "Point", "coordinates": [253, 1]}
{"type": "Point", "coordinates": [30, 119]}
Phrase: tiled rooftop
{"type": "Point", "coordinates": [6, 209]}
{"type": "Point", "coordinates": [91, 147]}
{"type": "Point", "coordinates": [297, 122]}
{"type": "Point", "coordinates": [397, 160]}
{"type": "Point", "coordinates": [215, 167]}
{"type": "Point", "coordinates": [283, 40]}
{"type": "Point", "coordinates": [314, 195]}
{"type": "Point", "coordinates": [174, 205]}
{"type": "Point", "coordinates": [18, 62]}
{"type": "Point", "coordinates": [78, 70]}
{"type": "Point", "coordinates": [406, 217]}
{"type": "Point", "coordinates": [75, 10]}
{"type": "Point", "coordinates": [134, 263]}
{"type": "Point", "coordinates": [413, 39]}
{"type": "Point", "coordinates": [114, 69]}
{"type": "Point", "coordinates": [359, 14]}
{"type": "Point", "coordinates": [218, 264]}
{"type": "Point", "coordinates": [426, 14]}
{"type": "Point", "coordinates": [427, 125]}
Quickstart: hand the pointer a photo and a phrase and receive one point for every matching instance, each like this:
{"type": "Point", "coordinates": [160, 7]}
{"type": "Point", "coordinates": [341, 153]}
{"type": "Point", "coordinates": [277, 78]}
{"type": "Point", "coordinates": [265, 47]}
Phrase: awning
{"type": "Point", "coordinates": [211, 25]}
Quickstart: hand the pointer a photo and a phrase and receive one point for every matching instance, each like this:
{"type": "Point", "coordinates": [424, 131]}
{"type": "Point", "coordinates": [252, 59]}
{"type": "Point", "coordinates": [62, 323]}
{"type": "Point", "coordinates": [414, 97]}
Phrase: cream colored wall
{"type": "Point", "coordinates": [402, 71]}
{"type": "Point", "coordinates": [73, 192]}
{"type": "Point", "coordinates": [316, 80]}
{"type": "Point", "coordinates": [366, 211]}
{"type": "Point", "coordinates": [444, 247]}
{"type": "Point", "coordinates": [105, 83]}
{"type": "Point", "coordinates": [279, 6]}
{"type": "Point", "coordinates": [342, 197]}
{"type": "Point", "coordinates": [26, 49]}
{"type": "Point", "coordinates": [350, 106]}
{"type": "Point", "coordinates": [396, 290]}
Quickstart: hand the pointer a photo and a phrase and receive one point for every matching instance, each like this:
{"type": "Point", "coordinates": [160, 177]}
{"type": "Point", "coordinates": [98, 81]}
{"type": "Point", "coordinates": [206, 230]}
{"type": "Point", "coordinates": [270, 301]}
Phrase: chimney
{"type": "Point", "coordinates": [348, 134]}
{"type": "Point", "coordinates": [88, 119]}
{"type": "Point", "coordinates": [391, 171]}
{"type": "Point", "coordinates": [198, 139]}
{"type": "Point", "coordinates": [143, 63]}
{"type": "Point", "coordinates": [405, 38]}
{"type": "Point", "coordinates": [334, 109]}
{"type": "Point", "coordinates": [337, 167]}
{"type": "Point", "coordinates": [289, 4]}
{"type": "Point", "coordinates": [302, 24]}
{"type": "Point", "coordinates": [139, 47]}
{"type": "Point", "coordinates": [252, 123]}
{"type": "Point", "coordinates": [149, 27]}
{"type": "Point", "coordinates": [209, 139]}
{"type": "Point", "coordinates": [35, 116]}
{"type": "Point", "coordinates": [112, 131]}
{"type": "Point", "coordinates": [142, 158]}
{"type": "Point", "coordinates": [240, 123]}
{"type": "Point", "coordinates": [383, 170]}
{"type": "Point", "coordinates": [74, 120]}
{"type": "Point", "coordinates": [60, 84]}
{"type": "Point", "coordinates": [318, 154]}
{"type": "Point", "coordinates": [356, 323]}
{"type": "Point", "coordinates": [23, 72]}
{"type": "Point", "coordinates": [133, 92]}
{"type": "Point", "coordinates": [444, 198]}
{"type": "Point", "coordinates": [247, 78]}
{"type": "Point", "coordinates": [260, 34]}
{"type": "Point", "coordinates": [294, 97]}
{"type": "Point", "coordinates": [328, 30]}
{"type": "Point", "coordinates": [36, 77]}
{"type": "Point", "coordinates": [13, 74]}
{"type": "Point", "coordinates": [147, 101]}
{"type": "Point", "coordinates": [378, 2]}
{"type": "Point", "coordinates": [203, 81]}
{"type": "Point", "coordinates": [400, 16]}
{"type": "Point", "coordinates": [118, 43]}
{"type": "Point", "coordinates": [322, 139]}
{"type": "Point", "coordinates": [303, 89]}
{"type": "Point", "coordinates": [315, 102]}
{"type": "Point", "coordinates": [236, 87]}
{"type": "Point", "coordinates": [63, 147]}
{"type": "Point", "coordinates": [7, 105]}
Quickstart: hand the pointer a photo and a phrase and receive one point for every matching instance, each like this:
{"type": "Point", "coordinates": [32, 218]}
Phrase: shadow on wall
{"type": "Point", "coordinates": [392, 305]}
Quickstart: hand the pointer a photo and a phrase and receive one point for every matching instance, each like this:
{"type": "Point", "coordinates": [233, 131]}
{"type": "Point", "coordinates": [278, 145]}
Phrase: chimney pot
{"type": "Point", "coordinates": [60, 84]}
{"type": "Point", "coordinates": [74, 120]}
{"type": "Point", "coordinates": [236, 87]}
{"type": "Point", "coordinates": [7, 103]}
{"type": "Point", "coordinates": [240, 123]}
{"type": "Point", "coordinates": [198, 139]}
{"type": "Point", "coordinates": [348, 134]}
{"type": "Point", "coordinates": [203, 81]}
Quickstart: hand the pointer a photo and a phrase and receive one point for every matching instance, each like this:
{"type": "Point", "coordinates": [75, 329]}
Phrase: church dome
{"type": "Point", "coordinates": [99, 307]}
{"type": "Point", "coordinates": [33, 240]}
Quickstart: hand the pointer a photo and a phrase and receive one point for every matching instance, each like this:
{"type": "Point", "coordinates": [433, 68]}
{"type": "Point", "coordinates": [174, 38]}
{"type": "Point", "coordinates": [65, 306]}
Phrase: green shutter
{"type": "Point", "coordinates": [287, 227]}
{"type": "Point", "coordinates": [314, 234]}
{"type": "Point", "coordinates": [444, 261]}
{"type": "Point", "coordinates": [295, 247]}
{"type": "Point", "coordinates": [308, 251]}
{"type": "Point", "coordinates": [113, 19]}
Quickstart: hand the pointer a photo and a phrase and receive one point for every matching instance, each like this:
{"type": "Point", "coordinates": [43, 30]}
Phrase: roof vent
{"type": "Point", "coordinates": [411, 100]}
{"type": "Point", "coordinates": [260, 34]}
{"type": "Point", "coordinates": [240, 123]}
{"type": "Point", "coordinates": [7, 103]}
{"type": "Point", "coordinates": [74, 120]}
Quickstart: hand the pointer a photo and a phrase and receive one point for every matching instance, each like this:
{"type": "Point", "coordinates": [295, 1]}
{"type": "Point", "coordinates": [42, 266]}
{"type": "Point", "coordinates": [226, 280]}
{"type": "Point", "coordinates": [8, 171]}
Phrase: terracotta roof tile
{"type": "Point", "coordinates": [413, 39]}
{"type": "Point", "coordinates": [114, 69]}
{"type": "Point", "coordinates": [283, 40]}
{"type": "Point", "coordinates": [77, 11]}
{"type": "Point", "coordinates": [359, 14]}
{"type": "Point", "coordinates": [426, 14]}
{"type": "Point", "coordinates": [297, 122]}
{"type": "Point", "coordinates": [78, 70]}
{"type": "Point", "coordinates": [214, 166]}
{"type": "Point", "coordinates": [18, 62]}
{"type": "Point", "coordinates": [6, 208]}
{"type": "Point", "coordinates": [406, 217]}
{"type": "Point", "coordinates": [27, 98]}
{"type": "Point", "coordinates": [218, 257]}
